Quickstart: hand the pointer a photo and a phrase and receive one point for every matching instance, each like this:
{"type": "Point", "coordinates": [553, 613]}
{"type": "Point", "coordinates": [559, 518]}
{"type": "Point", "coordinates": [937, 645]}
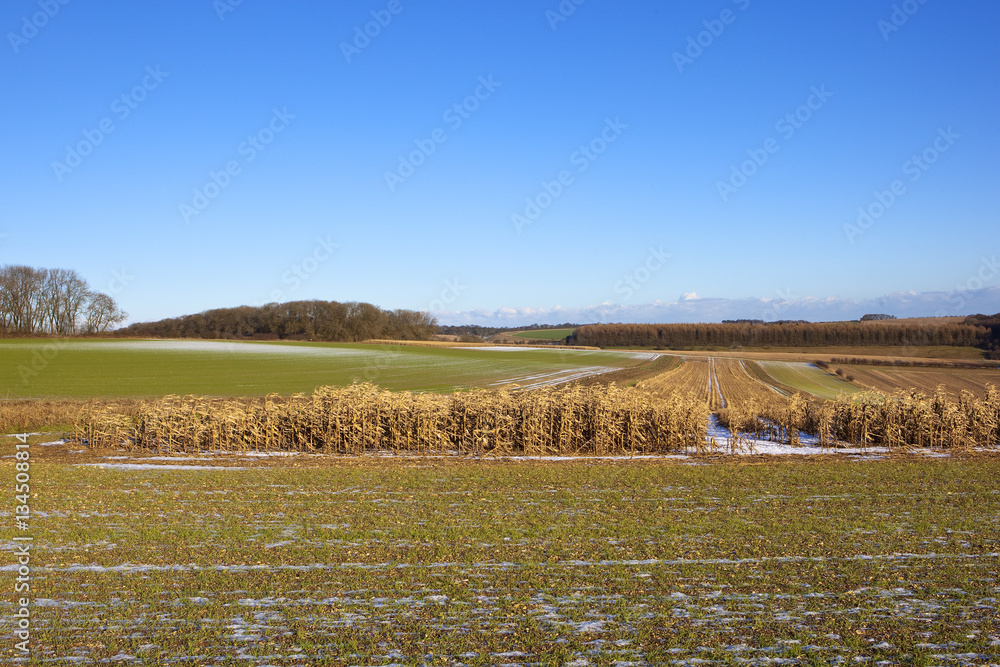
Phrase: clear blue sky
{"type": "Point", "coordinates": [310, 130]}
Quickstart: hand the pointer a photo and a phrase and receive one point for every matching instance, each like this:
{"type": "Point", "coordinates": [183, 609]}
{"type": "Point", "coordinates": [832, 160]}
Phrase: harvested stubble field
{"type": "Point", "coordinates": [691, 376]}
{"type": "Point", "coordinates": [926, 380]}
{"type": "Point", "coordinates": [438, 562]}
{"type": "Point", "coordinates": [828, 354]}
{"type": "Point", "coordinates": [723, 382]}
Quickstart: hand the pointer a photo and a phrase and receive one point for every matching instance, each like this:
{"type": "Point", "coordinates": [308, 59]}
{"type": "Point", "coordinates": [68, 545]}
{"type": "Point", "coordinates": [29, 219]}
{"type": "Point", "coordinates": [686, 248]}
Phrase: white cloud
{"type": "Point", "coordinates": [692, 308]}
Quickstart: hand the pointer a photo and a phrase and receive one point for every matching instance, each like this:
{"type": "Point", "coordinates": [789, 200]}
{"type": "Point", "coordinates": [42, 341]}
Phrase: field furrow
{"type": "Point", "coordinates": [693, 375]}
{"type": "Point", "coordinates": [721, 382]}
{"type": "Point", "coordinates": [926, 380]}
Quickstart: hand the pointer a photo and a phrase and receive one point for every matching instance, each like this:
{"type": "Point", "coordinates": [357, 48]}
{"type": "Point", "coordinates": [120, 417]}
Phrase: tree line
{"type": "Point", "coordinates": [53, 302]}
{"type": "Point", "coordinates": [992, 324]}
{"type": "Point", "coordinates": [294, 320]}
{"type": "Point", "coordinates": [484, 330]}
{"type": "Point", "coordinates": [786, 334]}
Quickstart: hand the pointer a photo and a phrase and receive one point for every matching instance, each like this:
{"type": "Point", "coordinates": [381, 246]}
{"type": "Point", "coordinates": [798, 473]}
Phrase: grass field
{"type": "Point", "coordinates": [808, 378]}
{"type": "Point", "coordinates": [109, 368]}
{"type": "Point", "coordinates": [544, 334]}
{"type": "Point", "coordinates": [520, 563]}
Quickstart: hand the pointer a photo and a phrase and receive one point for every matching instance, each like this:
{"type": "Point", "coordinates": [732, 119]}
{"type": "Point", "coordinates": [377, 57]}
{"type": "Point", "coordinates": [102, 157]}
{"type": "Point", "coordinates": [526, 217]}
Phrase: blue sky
{"type": "Point", "coordinates": [508, 162]}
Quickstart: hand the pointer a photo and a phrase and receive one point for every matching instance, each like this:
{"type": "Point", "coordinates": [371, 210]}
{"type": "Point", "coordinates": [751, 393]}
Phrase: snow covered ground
{"type": "Point", "coordinates": [723, 439]}
{"type": "Point", "coordinates": [553, 378]}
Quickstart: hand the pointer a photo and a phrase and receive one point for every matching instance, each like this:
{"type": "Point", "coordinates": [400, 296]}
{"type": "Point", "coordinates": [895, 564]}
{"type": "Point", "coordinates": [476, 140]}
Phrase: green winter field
{"type": "Point", "coordinates": [444, 562]}
{"type": "Point", "coordinates": [42, 368]}
{"type": "Point", "coordinates": [544, 334]}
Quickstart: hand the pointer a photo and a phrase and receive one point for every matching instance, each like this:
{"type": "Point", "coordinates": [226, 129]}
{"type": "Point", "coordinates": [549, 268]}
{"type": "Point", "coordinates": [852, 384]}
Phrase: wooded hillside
{"type": "Point", "coordinates": [296, 320]}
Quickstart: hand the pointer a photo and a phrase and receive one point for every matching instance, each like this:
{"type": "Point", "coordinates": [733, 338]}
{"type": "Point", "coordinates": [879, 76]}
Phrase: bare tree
{"type": "Point", "coordinates": [6, 301]}
{"type": "Point", "coordinates": [21, 298]}
{"type": "Point", "coordinates": [103, 313]}
{"type": "Point", "coordinates": [64, 297]}
{"type": "Point", "coordinates": [53, 301]}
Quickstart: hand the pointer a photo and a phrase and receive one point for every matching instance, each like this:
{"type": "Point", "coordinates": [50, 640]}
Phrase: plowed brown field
{"type": "Point", "coordinates": [926, 380]}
